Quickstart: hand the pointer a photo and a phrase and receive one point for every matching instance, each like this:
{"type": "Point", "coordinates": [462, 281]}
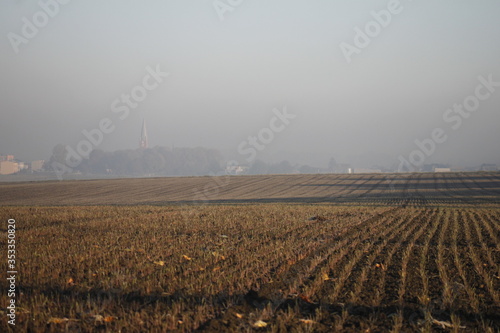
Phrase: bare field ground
{"type": "Point", "coordinates": [428, 189]}
{"type": "Point", "coordinates": [318, 253]}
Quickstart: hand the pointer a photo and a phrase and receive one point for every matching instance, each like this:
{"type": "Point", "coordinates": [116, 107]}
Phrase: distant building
{"type": "Point", "coordinates": [144, 136]}
{"type": "Point", "coordinates": [235, 169]}
{"type": "Point", "coordinates": [7, 158]}
{"type": "Point", "coordinates": [342, 168]}
{"type": "Point", "coordinates": [442, 169]}
{"type": "Point", "coordinates": [22, 166]}
{"type": "Point", "coordinates": [8, 167]}
{"type": "Point", "coordinates": [432, 167]}
{"type": "Point", "coordinates": [37, 165]}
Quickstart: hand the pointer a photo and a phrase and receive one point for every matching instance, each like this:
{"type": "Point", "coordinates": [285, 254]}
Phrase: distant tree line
{"type": "Point", "coordinates": [159, 161]}
{"type": "Point", "coordinates": [163, 161]}
{"type": "Point", "coordinates": [260, 167]}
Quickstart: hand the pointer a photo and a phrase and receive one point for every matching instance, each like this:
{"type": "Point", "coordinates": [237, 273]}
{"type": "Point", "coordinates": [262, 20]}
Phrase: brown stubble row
{"type": "Point", "coordinates": [424, 305]}
{"type": "Point", "coordinates": [416, 296]}
{"type": "Point", "coordinates": [346, 277]}
{"type": "Point", "coordinates": [305, 280]}
{"type": "Point", "coordinates": [110, 250]}
{"type": "Point", "coordinates": [489, 243]}
{"type": "Point", "coordinates": [478, 254]}
{"type": "Point", "coordinates": [355, 273]}
{"type": "Point", "coordinates": [386, 289]}
{"type": "Point", "coordinates": [311, 267]}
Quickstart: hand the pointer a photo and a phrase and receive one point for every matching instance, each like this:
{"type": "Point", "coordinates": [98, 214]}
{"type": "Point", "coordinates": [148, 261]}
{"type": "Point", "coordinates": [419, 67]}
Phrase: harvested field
{"type": "Point", "coordinates": [355, 255]}
{"type": "Point", "coordinates": [427, 189]}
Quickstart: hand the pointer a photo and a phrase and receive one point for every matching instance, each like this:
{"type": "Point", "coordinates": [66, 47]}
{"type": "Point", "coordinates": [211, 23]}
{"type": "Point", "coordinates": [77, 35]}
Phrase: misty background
{"type": "Point", "coordinates": [227, 76]}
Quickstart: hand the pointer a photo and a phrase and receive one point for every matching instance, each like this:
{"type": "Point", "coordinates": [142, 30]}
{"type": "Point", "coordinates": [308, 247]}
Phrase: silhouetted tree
{"type": "Point", "coordinates": [258, 167]}
{"type": "Point", "coordinates": [282, 167]}
{"type": "Point", "coordinates": [332, 165]}
{"type": "Point", "coordinates": [153, 161]}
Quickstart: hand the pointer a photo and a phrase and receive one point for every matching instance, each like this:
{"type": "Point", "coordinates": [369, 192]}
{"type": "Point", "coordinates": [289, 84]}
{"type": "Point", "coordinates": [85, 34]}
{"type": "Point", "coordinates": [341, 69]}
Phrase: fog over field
{"type": "Point", "coordinates": [310, 80]}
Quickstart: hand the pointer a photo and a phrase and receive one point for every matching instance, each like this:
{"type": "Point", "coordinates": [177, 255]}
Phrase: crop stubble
{"type": "Point", "coordinates": [411, 266]}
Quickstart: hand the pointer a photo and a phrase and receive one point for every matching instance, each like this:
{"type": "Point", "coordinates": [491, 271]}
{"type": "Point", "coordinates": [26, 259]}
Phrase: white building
{"type": "Point", "coordinates": [235, 169]}
{"type": "Point", "coordinates": [442, 169]}
{"type": "Point", "coordinates": [37, 165]}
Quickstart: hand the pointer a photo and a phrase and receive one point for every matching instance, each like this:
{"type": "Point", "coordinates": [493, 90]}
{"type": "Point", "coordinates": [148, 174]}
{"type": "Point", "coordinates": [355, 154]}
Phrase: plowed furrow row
{"type": "Point", "coordinates": [409, 295]}
{"type": "Point", "coordinates": [299, 278]}
{"type": "Point", "coordinates": [305, 246]}
{"type": "Point", "coordinates": [351, 188]}
{"type": "Point", "coordinates": [459, 260]}
{"type": "Point", "coordinates": [488, 245]}
{"type": "Point", "coordinates": [303, 237]}
{"type": "Point", "coordinates": [474, 187]}
{"type": "Point", "coordinates": [397, 276]}
{"type": "Point", "coordinates": [350, 265]}
{"type": "Point", "coordinates": [491, 244]}
{"type": "Point", "coordinates": [377, 272]}
{"type": "Point", "coordinates": [342, 233]}
{"type": "Point", "coordinates": [494, 223]}
{"type": "Point", "coordinates": [243, 189]}
{"type": "Point", "coordinates": [372, 189]}
{"type": "Point", "coordinates": [488, 284]}
{"type": "Point", "coordinates": [317, 187]}
{"type": "Point", "coordinates": [295, 277]}
{"type": "Point", "coordinates": [393, 283]}
{"type": "Point", "coordinates": [443, 266]}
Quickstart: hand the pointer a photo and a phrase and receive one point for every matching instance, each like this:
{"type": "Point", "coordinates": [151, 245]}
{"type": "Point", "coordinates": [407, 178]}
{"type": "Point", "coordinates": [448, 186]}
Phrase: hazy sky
{"type": "Point", "coordinates": [227, 75]}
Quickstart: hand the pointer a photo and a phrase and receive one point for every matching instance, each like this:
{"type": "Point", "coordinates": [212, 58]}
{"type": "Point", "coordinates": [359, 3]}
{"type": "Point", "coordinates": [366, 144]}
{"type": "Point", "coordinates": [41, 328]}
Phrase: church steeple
{"type": "Point", "coordinates": [144, 136]}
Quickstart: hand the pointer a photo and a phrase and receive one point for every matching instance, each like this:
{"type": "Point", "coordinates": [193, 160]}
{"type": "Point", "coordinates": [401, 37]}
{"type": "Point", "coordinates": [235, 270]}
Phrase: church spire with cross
{"type": "Point", "coordinates": [144, 136]}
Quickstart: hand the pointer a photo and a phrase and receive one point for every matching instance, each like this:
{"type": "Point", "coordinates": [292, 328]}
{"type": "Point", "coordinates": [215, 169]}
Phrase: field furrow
{"type": "Point", "coordinates": [379, 261]}
{"type": "Point", "coordinates": [487, 286]}
{"type": "Point", "coordinates": [408, 252]}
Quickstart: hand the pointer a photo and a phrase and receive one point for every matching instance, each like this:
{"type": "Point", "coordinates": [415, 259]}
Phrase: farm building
{"type": "Point", "coordinates": [8, 167]}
